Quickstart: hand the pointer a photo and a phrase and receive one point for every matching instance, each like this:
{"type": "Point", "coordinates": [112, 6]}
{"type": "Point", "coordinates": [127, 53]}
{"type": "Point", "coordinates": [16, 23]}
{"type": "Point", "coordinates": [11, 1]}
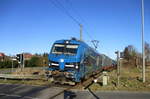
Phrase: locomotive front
{"type": "Point", "coordinates": [64, 61]}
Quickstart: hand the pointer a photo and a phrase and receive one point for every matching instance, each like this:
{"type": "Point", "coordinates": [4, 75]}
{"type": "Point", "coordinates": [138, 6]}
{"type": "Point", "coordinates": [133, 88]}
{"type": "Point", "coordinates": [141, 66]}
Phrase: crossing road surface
{"type": "Point", "coordinates": [8, 91]}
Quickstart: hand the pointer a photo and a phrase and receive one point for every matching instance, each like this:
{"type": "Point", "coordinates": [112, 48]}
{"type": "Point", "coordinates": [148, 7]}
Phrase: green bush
{"type": "Point", "coordinates": [33, 62]}
{"type": "Point", "coordinates": [8, 64]}
{"type": "Point", "coordinates": [37, 60]}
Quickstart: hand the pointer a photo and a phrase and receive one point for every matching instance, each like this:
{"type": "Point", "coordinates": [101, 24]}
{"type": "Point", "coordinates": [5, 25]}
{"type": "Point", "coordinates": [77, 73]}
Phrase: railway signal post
{"type": "Point", "coordinates": [13, 59]}
{"type": "Point", "coordinates": [20, 59]}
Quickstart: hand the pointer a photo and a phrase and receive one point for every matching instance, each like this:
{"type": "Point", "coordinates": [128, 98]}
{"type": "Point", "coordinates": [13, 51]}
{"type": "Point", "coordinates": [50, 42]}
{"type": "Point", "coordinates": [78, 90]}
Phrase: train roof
{"type": "Point", "coordinates": [75, 41]}
{"type": "Point", "coordinates": [72, 41]}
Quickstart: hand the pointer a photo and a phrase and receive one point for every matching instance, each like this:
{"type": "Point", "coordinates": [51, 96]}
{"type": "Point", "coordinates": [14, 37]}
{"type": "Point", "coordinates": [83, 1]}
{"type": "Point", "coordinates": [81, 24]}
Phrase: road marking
{"type": "Point", "coordinates": [11, 95]}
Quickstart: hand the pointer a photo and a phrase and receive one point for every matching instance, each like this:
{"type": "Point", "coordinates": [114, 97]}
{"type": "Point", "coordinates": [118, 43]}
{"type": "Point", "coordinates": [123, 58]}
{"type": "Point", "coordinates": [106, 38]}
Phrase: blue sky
{"type": "Point", "coordinates": [33, 25]}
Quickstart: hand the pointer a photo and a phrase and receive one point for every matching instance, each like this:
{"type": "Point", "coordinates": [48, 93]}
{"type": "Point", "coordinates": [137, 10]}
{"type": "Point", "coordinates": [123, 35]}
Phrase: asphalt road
{"type": "Point", "coordinates": [8, 91]}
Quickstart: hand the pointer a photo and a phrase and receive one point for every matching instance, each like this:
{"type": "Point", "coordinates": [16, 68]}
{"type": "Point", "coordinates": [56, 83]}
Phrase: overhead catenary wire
{"type": "Point", "coordinates": [80, 17]}
{"type": "Point", "coordinates": [74, 10]}
{"type": "Point", "coordinates": [93, 41]}
{"type": "Point", "coordinates": [57, 4]}
{"type": "Point", "coordinates": [62, 8]}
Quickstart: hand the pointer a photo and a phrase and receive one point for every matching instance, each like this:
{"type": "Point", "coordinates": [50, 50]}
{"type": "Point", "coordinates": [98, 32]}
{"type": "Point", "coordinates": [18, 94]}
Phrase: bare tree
{"type": "Point", "coordinates": [147, 52]}
{"type": "Point", "coordinates": [130, 54]}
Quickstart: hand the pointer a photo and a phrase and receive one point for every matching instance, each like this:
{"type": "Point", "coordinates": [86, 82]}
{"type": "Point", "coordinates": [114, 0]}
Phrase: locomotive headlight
{"type": "Point", "coordinates": [61, 60]}
{"type": "Point", "coordinates": [67, 42]}
{"type": "Point", "coordinates": [76, 67]}
{"type": "Point", "coordinates": [49, 64]}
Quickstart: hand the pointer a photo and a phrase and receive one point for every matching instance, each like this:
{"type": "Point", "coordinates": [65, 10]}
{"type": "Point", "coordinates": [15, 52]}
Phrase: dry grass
{"type": "Point", "coordinates": [29, 71]}
{"type": "Point", "coordinates": [130, 80]}
{"type": "Point", "coordinates": [26, 82]}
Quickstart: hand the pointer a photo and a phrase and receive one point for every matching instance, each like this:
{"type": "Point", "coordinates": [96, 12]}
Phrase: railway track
{"type": "Point", "coordinates": [79, 86]}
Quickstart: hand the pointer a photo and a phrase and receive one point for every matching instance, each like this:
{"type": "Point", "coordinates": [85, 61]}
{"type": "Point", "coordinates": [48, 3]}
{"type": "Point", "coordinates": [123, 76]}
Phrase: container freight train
{"type": "Point", "coordinates": [71, 61]}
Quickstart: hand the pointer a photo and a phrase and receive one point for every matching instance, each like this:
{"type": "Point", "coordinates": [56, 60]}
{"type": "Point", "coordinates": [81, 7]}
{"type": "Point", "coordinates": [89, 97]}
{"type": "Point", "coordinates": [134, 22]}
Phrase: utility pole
{"type": "Point", "coordinates": [143, 45]}
{"type": "Point", "coordinates": [81, 27]}
{"type": "Point", "coordinates": [118, 67]}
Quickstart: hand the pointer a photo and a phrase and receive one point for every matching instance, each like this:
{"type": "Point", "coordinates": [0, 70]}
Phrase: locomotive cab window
{"type": "Point", "coordinates": [71, 49]}
{"type": "Point", "coordinates": [58, 49]}
{"type": "Point", "coordinates": [65, 49]}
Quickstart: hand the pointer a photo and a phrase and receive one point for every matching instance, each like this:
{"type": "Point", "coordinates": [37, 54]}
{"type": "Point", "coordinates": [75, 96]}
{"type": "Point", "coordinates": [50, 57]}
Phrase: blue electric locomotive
{"type": "Point", "coordinates": [73, 60]}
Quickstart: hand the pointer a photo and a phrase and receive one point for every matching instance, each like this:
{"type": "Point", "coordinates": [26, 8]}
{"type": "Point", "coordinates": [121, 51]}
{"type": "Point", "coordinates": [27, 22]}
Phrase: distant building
{"type": "Point", "coordinates": [2, 56]}
{"type": "Point", "coordinates": [27, 56]}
